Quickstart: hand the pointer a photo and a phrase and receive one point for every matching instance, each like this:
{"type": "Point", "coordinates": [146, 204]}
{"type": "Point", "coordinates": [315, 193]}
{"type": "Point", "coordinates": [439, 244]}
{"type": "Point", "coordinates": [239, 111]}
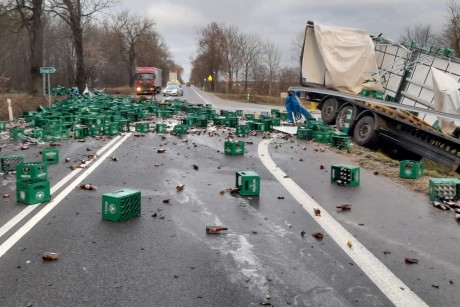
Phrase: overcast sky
{"type": "Point", "coordinates": [177, 21]}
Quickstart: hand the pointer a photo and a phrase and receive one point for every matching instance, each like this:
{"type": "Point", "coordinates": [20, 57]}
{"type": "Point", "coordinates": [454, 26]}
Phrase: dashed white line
{"type": "Point", "coordinates": [396, 291]}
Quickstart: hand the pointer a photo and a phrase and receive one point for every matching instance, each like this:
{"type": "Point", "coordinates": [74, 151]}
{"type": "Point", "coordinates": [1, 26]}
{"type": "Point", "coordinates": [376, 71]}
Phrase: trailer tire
{"type": "Point", "coordinates": [341, 116]}
{"type": "Point", "coordinates": [329, 110]}
{"type": "Point", "coordinates": [364, 132]}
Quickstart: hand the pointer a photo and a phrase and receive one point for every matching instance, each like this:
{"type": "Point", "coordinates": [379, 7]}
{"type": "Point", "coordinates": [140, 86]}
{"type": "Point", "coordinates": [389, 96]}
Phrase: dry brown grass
{"type": "Point", "coordinates": [22, 102]}
{"type": "Point", "coordinates": [265, 100]}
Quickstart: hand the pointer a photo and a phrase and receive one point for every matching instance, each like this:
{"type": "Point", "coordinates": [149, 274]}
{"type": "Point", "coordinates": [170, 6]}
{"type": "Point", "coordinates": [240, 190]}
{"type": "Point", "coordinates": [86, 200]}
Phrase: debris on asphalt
{"type": "Point", "coordinates": [222, 192]}
{"type": "Point", "coordinates": [154, 214]}
{"type": "Point", "coordinates": [50, 256]}
{"type": "Point", "coordinates": [254, 232]}
{"type": "Point", "coordinates": [441, 206]}
{"type": "Point", "coordinates": [317, 212]}
{"type": "Point", "coordinates": [349, 244]}
{"type": "Point", "coordinates": [66, 160]}
{"type": "Point", "coordinates": [55, 144]}
{"type": "Point", "coordinates": [167, 201]}
{"type": "Point", "coordinates": [321, 166]}
{"type": "Point", "coordinates": [195, 167]}
{"type": "Point", "coordinates": [24, 147]}
{"type": "Point", "coordinates": [410, 260]}
{"type": "Point", "coordinates": [6, 195]}
{"type": "Point", "coordinates": [386, 253]}
{"type": "Point", "coordinates": [280, 197]}
{"type": "Point", "coordinates": [302, 233]}
{"type": "Point", "coordinates": [376, 173]}
{"type": "Point", "coordinates": [344, 207]}
{"type": "Point", "coordinates": [114, 158]}
{"type": "Point", "coordinates": [318, 235]}
{"type": "Point", "coordinates": [161, 150]}
{"type": "Point", "coordinates": [180, 187]}
{"type": "Point", "coordinates": [435, 286]}
{"type": "Point", "coordinates": [89, 187]}
{"type": "Point", "coordinates": [215, 229]}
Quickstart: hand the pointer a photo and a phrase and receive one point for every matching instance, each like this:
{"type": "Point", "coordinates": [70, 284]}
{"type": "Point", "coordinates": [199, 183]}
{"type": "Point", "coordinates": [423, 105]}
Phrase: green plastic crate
{"type": "Point", "coordinates": [80, 132]}
{"type": "Point", "coordinates": [250, 116]}
{"type": "Point", "coordinates": [201, 122]}
{"type": "Point", "coordinates": [142, 127]}
{"type": "Point", "coordinates": [161, 128]}
{"type": "Point", "coordinates": [303, 133]}
{"type": "Point", "coordinates": [189, 121]}
{"type": "Point", "coordinates": [121, 205]}
{"type": "Point", "coordinates": [411, 169]}
{"type": "Point", "coordinates": [283, 115]}
{"type": "Point", "coordinates": [50, 155]}
{"type": "Point", "coordinates": [218, 121]}
{"type": "Point", "coordinates": [234, 147]}
{"type": "Point", "coordinates": [316, 125]}
{"type": "Point", "coordinates": [345, 175]}
{"type": "Point", "coordinates": [248, 183]}
{"type": "Point", "coordinates": [32, 192]}
{"type": "Point", "coordinates": [112, 129]}
{"type": "Point", "coordinates": [322, 136]}
{"type": "Point", "coordinates": [242, 130]}
{"type": "Point", "coordinates": [31, 171]}
{"type": "Point", "coordinates": [16, 133]}
{"type": "Point", "coordinates": [2, 125]}
{"type": "Point", "coordinates": [180, 129]}
{"type": "Point", "coordinates": [444, 188]}
{"type": "Point", "coordinates": [340, 142]}
{"type": "Point", "coordinates": [230, 121]}
{"type": "Point", "coordinates": [275, 113]}
{"type": "Point", "coordinates": [275, 122]}
{"type": "Point", "coordinates": [8, 163]}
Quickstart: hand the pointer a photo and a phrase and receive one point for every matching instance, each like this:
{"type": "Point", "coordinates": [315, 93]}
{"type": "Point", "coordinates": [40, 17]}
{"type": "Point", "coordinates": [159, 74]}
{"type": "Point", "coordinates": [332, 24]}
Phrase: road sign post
{"type": "Point", "coordinates": [48, 71]}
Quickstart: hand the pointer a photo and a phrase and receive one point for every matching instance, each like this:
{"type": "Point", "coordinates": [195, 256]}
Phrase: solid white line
{"type": "Point", "coordinates": [205, 101]}
{"type": "Point", "coordinates": [54, 202]}
{"type": "Point", "coordinates": [396, 291]}
{"type": "Point", "coordinates": [26, 211]}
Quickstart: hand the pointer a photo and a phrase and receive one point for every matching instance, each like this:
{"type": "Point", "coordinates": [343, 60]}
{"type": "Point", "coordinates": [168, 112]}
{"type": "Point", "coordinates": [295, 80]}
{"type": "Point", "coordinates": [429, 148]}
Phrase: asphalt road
{"type": "Point", "coordinates": [165, 258]}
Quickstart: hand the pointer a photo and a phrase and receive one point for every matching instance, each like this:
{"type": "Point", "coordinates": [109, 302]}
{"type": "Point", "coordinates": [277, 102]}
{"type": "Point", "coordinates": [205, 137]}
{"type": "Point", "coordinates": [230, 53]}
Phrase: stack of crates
{"type": "Point", "coordinates": [248, 183]}
{"type": "Point", "coordinates": [121, 205]}
{"type": "Point", "coordinates": [242, 130]}
{"type": "Point", "coordinates": [345, 175]}
{"type": "Point", "coordinates": [32, 184]}
{"type": "Point", "coordinates": [16, 133]}
{"type": "Point", "coordinates": [316, 125]}
{"type": "Point", "coordinates": [444, 189]}
{"type": "Point", "coordinates": [8, 163]}
{"type": "Point", "coordinates": [234, 147]}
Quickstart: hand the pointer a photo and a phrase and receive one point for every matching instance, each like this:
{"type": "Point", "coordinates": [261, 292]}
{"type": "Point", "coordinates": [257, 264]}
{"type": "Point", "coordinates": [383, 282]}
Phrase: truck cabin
{"type": "Point", "coordinates": [145, 76]}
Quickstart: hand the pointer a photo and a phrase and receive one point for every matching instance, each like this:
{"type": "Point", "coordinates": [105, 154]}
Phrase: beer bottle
{"type": "Point", "coordinates": [215, 229]}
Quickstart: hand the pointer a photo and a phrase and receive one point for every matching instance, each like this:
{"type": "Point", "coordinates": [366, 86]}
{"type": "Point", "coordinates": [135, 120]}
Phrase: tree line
{"type": "Point", "coordinates": [80, 38]}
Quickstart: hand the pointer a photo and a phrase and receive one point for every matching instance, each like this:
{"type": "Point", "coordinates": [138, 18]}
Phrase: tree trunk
{"type": "Point", "coordinates": [36, 47]}
{"type": "Point", "coordinates": [80, 75]}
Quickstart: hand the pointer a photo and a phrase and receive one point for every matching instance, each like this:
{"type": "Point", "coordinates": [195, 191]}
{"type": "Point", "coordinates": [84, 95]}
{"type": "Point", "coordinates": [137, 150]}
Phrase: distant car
{"type": "Point", "coordinates": [173, 90]}
{"type": "Point", "coordinates": [187, 84]}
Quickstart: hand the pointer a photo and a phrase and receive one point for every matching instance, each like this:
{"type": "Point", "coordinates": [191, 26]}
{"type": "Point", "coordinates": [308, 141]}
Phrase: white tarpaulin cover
{"type": "Point", "coordinates": [446, 98]}
{"type": "Point", "coordinates": [343, 58]}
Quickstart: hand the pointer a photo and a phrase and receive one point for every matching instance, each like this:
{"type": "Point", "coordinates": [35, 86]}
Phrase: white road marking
{"type": "Point", "coordinates": [205, 101]}
{"type": "Point", "coordinates": [396, 291]}
{"type": "Point", "coordinates": [26, 211]}
{"type": "Point", "coordinates": [55, 201]}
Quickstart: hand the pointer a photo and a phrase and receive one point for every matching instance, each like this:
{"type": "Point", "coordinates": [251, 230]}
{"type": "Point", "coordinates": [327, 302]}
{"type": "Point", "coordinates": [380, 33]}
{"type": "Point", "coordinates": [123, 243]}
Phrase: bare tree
{"type": "Point", "coordinates": [451, 32]}
{"type": "Point", "coordinates": [423, 35]}
{"type": "Point", "coordinates": [76, 13]}
{"type": "Point", "coordinates": [31, 17]}
{"type": "Point", "coordinates": [231, 53]}
{"type": "Point", "coordinates": [272, 60]}
{"type": "Point", "coordinates": [251, 50]}
{"type": "Point", "coordinates": [131, 29]}
{"type": "Point", "coordinates": [296, 47]}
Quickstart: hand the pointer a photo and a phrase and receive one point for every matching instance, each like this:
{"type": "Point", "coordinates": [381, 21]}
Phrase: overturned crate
{"type": "Point", "coordinates": [444, 189]}
{"type": "Point", "coordinates": [8, 163]}
{"type": "Point", "coordinates": [121, 205]}
{"type": "Point", "coordinates": [248, 183]}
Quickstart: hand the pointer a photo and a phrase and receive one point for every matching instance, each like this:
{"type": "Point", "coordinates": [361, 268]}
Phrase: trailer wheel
{"type": "Point", "coordinates": [341, 116]}
{"type": "Point", "coordinates": [329, 110]}
{"type": "Point", "coordinates": [364, 132]}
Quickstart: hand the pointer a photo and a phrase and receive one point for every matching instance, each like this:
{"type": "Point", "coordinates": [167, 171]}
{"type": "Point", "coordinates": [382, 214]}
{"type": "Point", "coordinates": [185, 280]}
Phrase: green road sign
{"type": "Point", "coordinates": [47, 70]}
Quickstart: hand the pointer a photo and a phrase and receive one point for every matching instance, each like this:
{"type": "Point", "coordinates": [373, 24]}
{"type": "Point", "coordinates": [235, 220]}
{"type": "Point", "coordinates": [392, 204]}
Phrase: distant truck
{"type": "Point", "coordinates": [172, 76]}
{"type": "Point", "coordinates": [148, 80]}
{"type": "Point", "coordinates": [396, 93]}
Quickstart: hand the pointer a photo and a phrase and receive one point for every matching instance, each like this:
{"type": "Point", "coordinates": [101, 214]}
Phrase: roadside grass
{"type": "Point", "coordinates": [264, 100]}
